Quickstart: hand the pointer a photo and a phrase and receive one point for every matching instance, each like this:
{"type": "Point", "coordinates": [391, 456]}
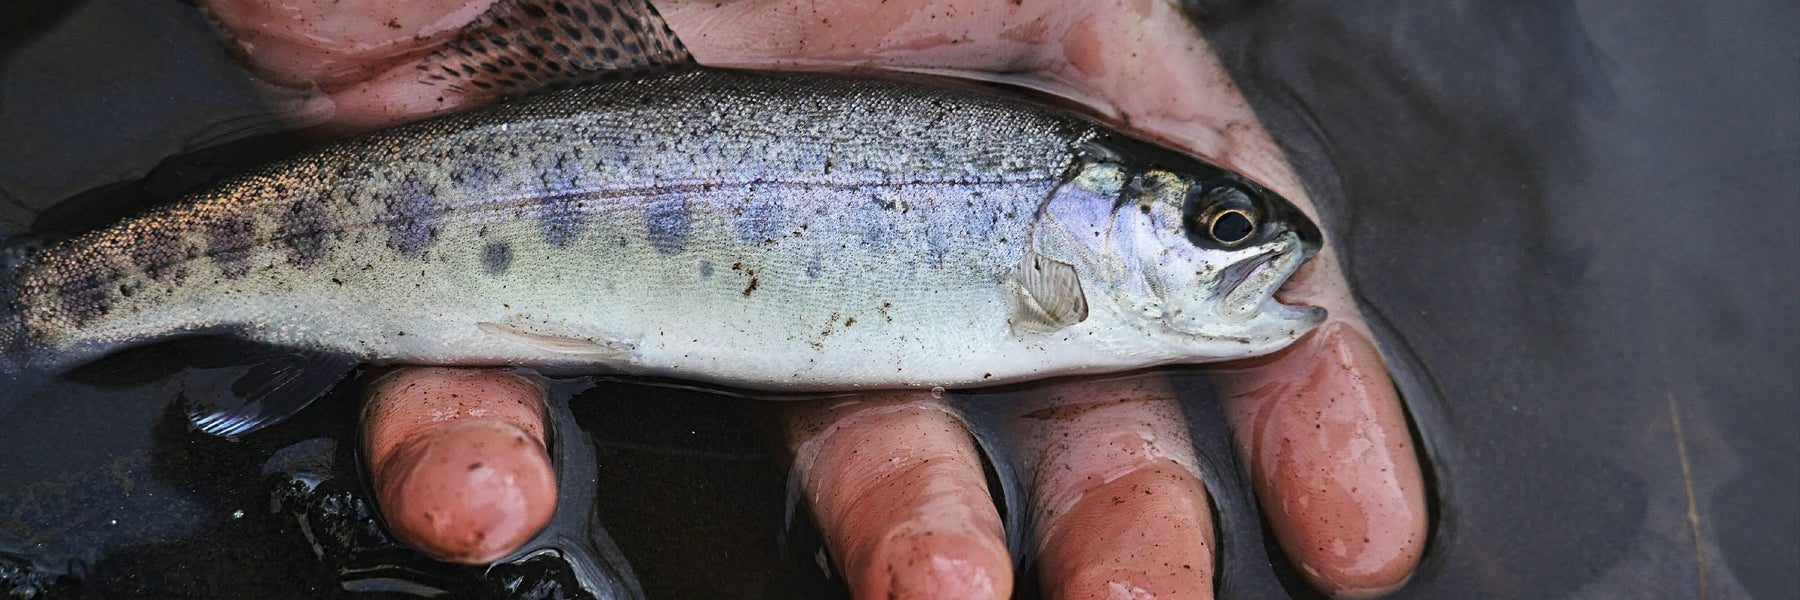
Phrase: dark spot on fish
{"type": "Point", "coordinates": [937, 247]}
{"type": "Point", "coordinates": [666, 219]}
{"type": "Point", "coordinates": [496, 258]}
{"type": "Point", "coordinates": [474, 177]}
{"type": "Point", "coordinates": [560, 210]}
{"type": "Point", "coordinates": [875, 233]}
{"type": "Point", "coordinates": [758, 218]}
{"type": "Point", "coordinates": [706, 268]}
{"type": "Point", "coordinates": [752, 287]}
{"type": "Point", "coordinates": [229, 238]}
{"type": "Point", "coordinates": [884, 203]}
{"type": "Point", "coordinates": [413, 214]}
{"type": "Point", "coordinates": [813, 268]}
{"type": "Point", "coordinates": [306, 230]}
{"type": "Point", "coordinates": [84, 288]}
{"type": "Point", "coordinates": [849, 321]}
{"type": "Point", "coordinates": [475, 465]}
{"type": "Point", "coordinates": [161, 253]}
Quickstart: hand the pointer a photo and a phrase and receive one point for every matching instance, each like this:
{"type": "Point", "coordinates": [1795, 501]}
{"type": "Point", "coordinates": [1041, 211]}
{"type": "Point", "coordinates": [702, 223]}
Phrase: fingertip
{"type": "Point", "coordinates": [898, 492]}
{"type": "Point", "coordinates": [472, 493]}
{"type": "Point", "coordinates": [1147, 534]}
{"type": "Point", "coordinates": [926, 565]}
{"type": "Point", "coordinates": [1333, 463]}
{"type": "Point", "coordinates": [458, 461]}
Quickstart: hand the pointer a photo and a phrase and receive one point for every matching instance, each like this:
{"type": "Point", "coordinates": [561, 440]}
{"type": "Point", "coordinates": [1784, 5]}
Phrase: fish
{"type": "Point", "coordinates": [759, 231]}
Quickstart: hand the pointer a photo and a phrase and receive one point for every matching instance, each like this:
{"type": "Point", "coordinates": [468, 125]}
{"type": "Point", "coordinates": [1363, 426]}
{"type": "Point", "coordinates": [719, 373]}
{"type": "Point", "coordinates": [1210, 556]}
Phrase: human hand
{"type": "Point", "coordinates": [1319, 424]}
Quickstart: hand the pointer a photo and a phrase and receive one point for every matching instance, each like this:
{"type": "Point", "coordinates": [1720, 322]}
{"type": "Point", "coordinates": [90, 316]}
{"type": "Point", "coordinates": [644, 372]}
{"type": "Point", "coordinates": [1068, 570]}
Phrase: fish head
{"type": "Point", "coordinates": [1182, 252]}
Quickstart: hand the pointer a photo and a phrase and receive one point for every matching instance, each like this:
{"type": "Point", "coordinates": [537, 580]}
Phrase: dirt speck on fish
{"type": "Point", "coordinates": [760, 231]}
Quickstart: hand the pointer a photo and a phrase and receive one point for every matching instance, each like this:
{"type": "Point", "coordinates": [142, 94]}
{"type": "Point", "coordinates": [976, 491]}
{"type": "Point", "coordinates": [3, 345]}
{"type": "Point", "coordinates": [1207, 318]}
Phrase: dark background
{"type": "Point", "coordinates": [1576, 223]}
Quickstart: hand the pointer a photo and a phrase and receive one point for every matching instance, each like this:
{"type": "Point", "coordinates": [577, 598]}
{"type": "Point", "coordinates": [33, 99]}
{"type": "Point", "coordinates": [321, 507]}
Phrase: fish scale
{"type": "Point", "coordinates": [780, 232]}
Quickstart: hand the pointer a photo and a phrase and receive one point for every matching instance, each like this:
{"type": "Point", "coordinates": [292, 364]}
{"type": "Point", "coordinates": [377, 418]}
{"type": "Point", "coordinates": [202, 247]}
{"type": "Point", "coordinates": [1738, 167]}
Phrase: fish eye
{"type": "Point", "coordinates": [1231, 227]}
{"type": "Point", "coordinates": [1223, 215]}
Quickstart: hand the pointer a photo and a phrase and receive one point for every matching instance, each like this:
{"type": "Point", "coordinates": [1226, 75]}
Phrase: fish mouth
{"type": "Point", "coordinates": [1253, 283]}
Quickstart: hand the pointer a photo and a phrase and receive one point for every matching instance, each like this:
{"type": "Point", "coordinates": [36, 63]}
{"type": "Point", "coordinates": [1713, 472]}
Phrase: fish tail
{"type": "Point", "coordinates": [20, 375]}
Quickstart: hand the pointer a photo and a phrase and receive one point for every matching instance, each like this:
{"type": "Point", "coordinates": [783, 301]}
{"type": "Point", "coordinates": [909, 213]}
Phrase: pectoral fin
{"type": "Point", "coordinates": [1049, 294]}
{"type": "Point", "coordinates": [582, 347]}
{"type": "Point", "coordinates": [258, 387]}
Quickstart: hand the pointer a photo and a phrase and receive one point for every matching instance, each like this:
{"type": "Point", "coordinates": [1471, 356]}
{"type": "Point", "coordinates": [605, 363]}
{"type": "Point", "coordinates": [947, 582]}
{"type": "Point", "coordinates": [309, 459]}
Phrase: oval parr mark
{"type": "Point", "coordinates": [162, 252]}
{"type": "Point", "coordinates": [413, 213]}
{"type": "Point", "coordinates": [559, 212]}
{"type": "Point", "coordinates": [758, 218]}
{"type": "Point", "coordinates": [84, 288]}
{"type": "Point", "coordinates": [706, 269]}
{"type": "Point", "coordinates": [496, 258]}
{"type": "Point", "coordinates": [306, 231]}
{"type": "Point", "coordinates": [667, 223]}
{"type": "Point", "coordinates": [229, 239]}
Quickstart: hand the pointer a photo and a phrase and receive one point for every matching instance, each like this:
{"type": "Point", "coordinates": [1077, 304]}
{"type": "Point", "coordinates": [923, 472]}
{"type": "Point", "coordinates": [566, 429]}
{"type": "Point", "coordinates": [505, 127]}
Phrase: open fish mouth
{"type": "Point", "coordinates": [1253, 283]}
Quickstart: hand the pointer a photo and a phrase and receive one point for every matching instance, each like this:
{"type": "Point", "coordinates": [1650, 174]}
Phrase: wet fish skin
{"type": "Point", "coordinates": [783, 232]}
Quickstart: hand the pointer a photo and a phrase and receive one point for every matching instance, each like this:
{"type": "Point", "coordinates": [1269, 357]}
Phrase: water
{"type": "Point", "coordinates": [1573, 222]}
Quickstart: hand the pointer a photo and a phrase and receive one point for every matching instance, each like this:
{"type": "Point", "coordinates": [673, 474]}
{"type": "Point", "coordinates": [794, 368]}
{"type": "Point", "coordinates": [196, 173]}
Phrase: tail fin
{"type": "Point", "coordinates": [19, 379]}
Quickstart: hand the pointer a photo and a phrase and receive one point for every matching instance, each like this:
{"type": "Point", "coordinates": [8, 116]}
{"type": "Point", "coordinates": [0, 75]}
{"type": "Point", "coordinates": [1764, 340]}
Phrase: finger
{"type": "Point", "coordinates": [458, 461]}
{"type": "Point", "coordinates": [1121, 512]}
{"type": "Point", "coordinates": [897, 489]}
{"type": "Point", "coordinates": [1332, 461]}
{"type": "Point", "coordinates": [327, 43]}
{"type": "Point", "coordinates": [394, 62]}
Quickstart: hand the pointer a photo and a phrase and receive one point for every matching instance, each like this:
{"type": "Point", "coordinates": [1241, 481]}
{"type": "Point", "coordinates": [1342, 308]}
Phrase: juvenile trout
{"type": "Point", "coordinates": [762, 231]}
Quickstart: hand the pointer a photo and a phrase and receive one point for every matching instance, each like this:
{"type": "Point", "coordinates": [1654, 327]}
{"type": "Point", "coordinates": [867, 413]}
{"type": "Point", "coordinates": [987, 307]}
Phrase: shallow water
{"type": "Point", "coordinates": [1570, 219]}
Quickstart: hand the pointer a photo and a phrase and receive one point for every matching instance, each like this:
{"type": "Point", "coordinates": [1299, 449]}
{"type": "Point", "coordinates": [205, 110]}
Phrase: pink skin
{"type": "Point", "coordinates": [1342, 489]}
{"type": "Point", "coordinates": [1120, 509]}
{"type": "Point", "coordinates": [458, 460]}
{"type": "Point", "coordinates": [895, 482]}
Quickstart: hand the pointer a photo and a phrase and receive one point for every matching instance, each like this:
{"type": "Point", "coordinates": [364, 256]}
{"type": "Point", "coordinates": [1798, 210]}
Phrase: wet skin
{"type": "Point", "coordinates": [893, 478]}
